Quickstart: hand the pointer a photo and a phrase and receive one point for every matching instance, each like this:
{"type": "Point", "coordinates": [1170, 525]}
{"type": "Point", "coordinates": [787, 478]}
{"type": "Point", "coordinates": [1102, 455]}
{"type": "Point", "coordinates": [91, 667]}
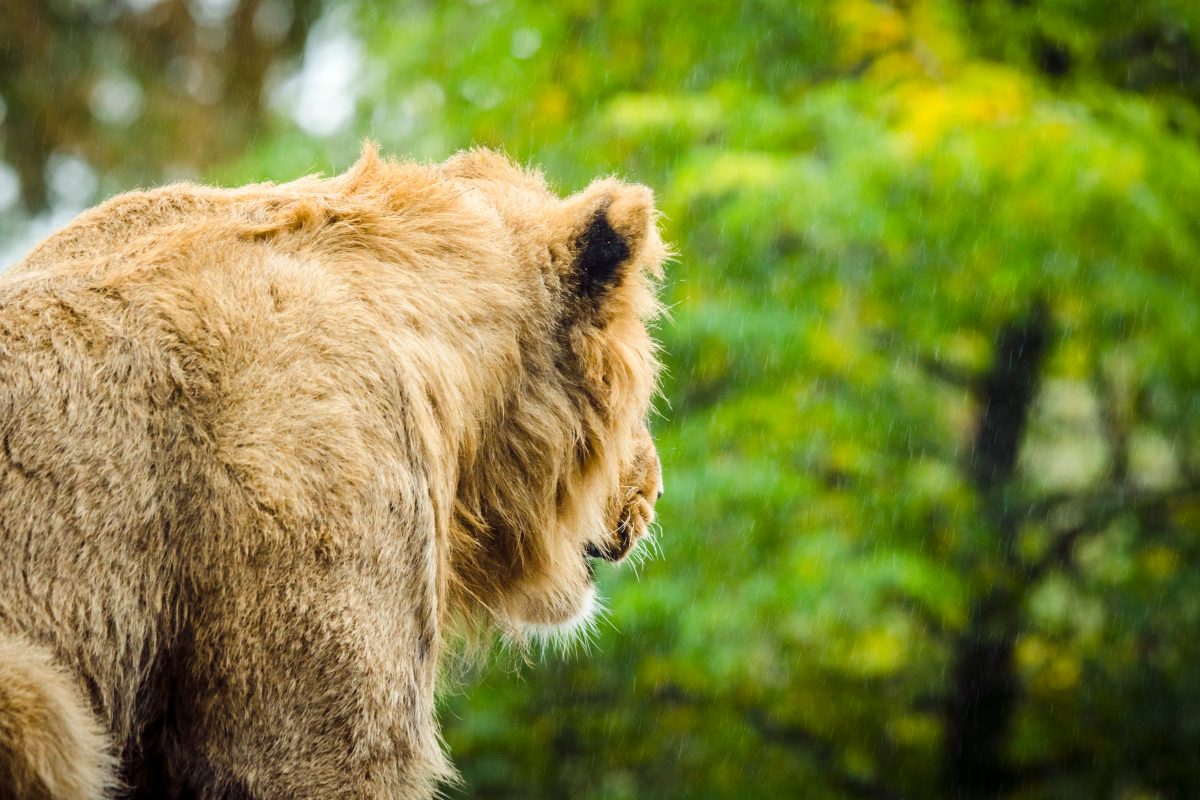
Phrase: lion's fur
{"type": "Point", "coordinates": [262, 446]}
{"type": "Point", "coordinates": [51, 745]}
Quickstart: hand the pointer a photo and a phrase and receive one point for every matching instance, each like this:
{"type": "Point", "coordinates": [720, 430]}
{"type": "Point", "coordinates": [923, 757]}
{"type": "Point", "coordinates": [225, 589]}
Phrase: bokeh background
{"type": "Point", "coordinates": [931, 426]}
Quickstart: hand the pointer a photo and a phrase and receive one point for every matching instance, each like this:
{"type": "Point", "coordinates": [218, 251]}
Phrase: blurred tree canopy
{"type": "Point", "coordinates": [932, 418]}
{"type": "Point", "coordinates": [87, 78]}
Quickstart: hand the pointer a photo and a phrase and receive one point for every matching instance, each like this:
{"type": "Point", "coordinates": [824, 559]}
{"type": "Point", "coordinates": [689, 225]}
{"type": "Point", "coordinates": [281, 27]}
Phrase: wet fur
{"type": "Point", "coordinates": [263, 448]}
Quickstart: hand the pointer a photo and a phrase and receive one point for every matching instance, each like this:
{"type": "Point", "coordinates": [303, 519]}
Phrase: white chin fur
{"type": "Point", "coordinates": [565, 635]}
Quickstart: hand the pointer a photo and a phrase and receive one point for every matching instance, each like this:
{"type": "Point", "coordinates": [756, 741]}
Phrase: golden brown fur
{"type": "Point", "coordinates": [262, 446]}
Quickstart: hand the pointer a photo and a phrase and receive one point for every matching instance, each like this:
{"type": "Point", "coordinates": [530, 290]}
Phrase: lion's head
{"type": "Point", "coordinates": [567, 473]}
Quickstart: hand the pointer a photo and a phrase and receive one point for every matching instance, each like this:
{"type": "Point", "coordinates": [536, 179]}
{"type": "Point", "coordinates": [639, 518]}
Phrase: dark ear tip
{"type": "Point", "coordinates": [601, 251]}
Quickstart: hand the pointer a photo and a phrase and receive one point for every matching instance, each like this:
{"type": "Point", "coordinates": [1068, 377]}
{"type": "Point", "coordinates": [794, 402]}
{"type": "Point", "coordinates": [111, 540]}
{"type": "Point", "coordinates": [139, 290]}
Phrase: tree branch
{"type": "Point", "coordinates": [953, 374]}
{"type": "Point", "coordinates": [1099, 509]}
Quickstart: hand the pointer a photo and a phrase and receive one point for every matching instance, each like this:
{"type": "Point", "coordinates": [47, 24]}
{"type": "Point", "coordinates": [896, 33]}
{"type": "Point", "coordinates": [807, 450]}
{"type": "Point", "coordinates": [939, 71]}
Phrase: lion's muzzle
{"type": "Point", "coordinates": [643, 489]}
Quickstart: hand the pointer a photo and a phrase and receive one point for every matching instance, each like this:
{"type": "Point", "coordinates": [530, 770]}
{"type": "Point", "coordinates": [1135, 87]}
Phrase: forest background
{"type": "Point", "coordinates": [931, 420]}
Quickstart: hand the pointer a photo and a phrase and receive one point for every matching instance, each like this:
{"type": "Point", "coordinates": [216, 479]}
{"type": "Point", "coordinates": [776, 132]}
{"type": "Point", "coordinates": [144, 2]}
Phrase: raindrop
{"type": "Point", "coordinates": [322, 95]}
{"type": "Point", "coordinates": [116, 100]}
{"type": "Point", "coordinates": [272, 21]}
{"type": "Point", "coordinates": [211, 13]}
{"type": "Point", "coordinates": [71, 179]}
{"type": "Point", "coordinates": [141, 6]}
{"type": "Point", "coordinates": [10, 187]}
{"type": "Point", "coordinates": [525, 42]}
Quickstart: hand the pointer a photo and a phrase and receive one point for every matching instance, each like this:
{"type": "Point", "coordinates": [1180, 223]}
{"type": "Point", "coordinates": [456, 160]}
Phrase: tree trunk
{"type": "Point", "coordinates": [984, 689]}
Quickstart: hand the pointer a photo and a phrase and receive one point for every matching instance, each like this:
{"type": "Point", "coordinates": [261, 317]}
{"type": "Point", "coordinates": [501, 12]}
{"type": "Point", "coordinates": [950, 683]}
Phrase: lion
{"type": "Point", "coordinates": [262, 449]}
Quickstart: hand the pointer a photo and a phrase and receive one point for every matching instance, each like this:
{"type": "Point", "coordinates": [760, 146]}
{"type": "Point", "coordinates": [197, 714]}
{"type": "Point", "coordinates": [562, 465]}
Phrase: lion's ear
{"type": "Point", "coordinates": [607, 226]}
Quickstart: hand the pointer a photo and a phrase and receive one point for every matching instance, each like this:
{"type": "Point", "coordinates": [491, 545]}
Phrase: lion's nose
{"type": "Point", "coordinates": [658, 496]}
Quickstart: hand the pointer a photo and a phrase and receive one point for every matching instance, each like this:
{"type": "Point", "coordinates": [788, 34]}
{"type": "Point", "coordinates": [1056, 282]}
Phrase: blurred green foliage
{"type": "Point", "coordinates": [931, 421]}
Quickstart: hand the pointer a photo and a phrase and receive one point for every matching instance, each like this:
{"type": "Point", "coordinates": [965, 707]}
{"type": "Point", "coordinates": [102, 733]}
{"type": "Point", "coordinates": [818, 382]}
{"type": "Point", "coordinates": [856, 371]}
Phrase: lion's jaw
{"type": "Point", "coordinates": [561, 597]}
